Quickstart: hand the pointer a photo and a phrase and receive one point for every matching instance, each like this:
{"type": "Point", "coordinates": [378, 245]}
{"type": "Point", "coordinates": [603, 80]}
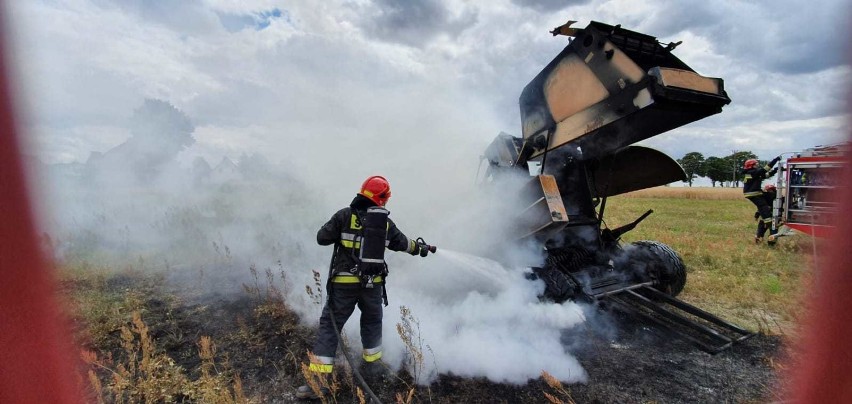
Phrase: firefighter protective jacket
{"type": "Point", "coordinates": [344, 228]}
{"type": "Point", "coordinates": [769, 197]}
{"type": "Point", "coordinates": [753, 178]}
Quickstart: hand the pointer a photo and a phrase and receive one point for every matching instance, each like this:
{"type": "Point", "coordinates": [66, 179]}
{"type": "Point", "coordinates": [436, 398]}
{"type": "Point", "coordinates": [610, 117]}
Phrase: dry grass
{"type": "Point", "coordinates": [713, 193]}
{"type": "Point", "coordinates": [146, 374]}
{"type": "Point", "coordinates": [755, 285]}
{"type": "Point", "coordinates": [127, 363]}
{"type": "Point", "coordinates": [98, 309]}
{"type": "Point", "coordinates": [408, 330]}
{"type": "Point", "coordinates": [405, 399]}
{"type": "Point", "coordinates": [561, 395]}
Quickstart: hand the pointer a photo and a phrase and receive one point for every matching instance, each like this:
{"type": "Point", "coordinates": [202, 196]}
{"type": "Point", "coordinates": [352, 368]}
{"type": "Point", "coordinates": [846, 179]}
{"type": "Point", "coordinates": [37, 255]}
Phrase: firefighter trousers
{"type": "Point", "coordinates": [765, 211]}
{"type": "Point", "coordinates": [342, 301]}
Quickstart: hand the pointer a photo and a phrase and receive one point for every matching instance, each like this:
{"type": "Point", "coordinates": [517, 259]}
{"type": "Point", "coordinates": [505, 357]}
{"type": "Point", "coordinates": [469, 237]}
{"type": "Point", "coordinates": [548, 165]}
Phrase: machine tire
{"type": "Point", "coordinates": [668, 267]}
{"type": "Point", "coordinates": [558, 286]}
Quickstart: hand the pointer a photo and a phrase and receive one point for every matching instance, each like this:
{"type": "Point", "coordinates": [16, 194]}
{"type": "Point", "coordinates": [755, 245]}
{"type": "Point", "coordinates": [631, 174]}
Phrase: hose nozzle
{"type": "Point", "coordinates": [425, 246]}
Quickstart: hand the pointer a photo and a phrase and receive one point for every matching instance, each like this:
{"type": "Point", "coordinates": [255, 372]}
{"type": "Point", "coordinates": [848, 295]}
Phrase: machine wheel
{"type": "Point", "coordinates": [667, 266]}
{"type": "Point", "coordinates": [557, 286]}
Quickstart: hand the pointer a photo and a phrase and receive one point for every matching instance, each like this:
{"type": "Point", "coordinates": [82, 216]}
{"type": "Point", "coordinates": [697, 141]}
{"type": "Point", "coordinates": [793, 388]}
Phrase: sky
{"type": "Point", "coordinates": [293, 80]}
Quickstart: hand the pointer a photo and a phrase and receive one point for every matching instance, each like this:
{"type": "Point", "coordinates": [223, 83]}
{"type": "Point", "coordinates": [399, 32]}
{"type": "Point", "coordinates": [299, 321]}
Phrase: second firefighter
{"type": "Point", "coordinates": [753, 176]}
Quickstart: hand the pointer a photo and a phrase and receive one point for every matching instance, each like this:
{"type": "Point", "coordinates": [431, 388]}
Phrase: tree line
{"type": "Point", "coordinates": [724, 170]}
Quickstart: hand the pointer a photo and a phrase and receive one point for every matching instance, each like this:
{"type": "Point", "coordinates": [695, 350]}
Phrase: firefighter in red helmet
{"type": "Point", "coordinates": [360, 233]}
{"type": "Point", "coordinates": [753, 176]}
{"type": "Point", "coordinates": [377, 189]}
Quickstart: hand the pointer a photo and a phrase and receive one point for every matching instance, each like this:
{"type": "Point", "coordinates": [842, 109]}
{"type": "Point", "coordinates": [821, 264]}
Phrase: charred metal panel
{"type": "Point", "coordinates": [610, 88]}
{"type": "Point", "coordinates": [668, 77]}
{"type": "Point", "coordinates": [545, 212]}
{"type": "Point", "coordinates": [572, 76]}
{"type": "Point", "coordinates": [633, 168]}
{"type": "Point", "coordinates": [503, 151]}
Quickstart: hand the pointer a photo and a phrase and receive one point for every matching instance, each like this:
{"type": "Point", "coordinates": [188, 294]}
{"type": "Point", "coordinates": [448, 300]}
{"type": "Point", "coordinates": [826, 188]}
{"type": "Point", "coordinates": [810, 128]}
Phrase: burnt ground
{"type": "Point", "coordinates": [638, 363]}
{"type": "Point", "coordinates": [634, 363]}
{"type": "Point", "coordinates": [260, 339]}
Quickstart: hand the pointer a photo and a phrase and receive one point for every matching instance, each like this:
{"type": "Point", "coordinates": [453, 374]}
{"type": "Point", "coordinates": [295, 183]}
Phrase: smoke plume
{"type": "Point", "coordinates": [152, 202]}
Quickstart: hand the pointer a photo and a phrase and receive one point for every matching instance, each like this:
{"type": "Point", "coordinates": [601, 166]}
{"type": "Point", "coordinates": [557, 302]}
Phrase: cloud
{"type": "Point", "coordinates": [189, 17]}
{"type": "Point", "coordinates": [546, 6]}
{"type": "Point", "coordinates": [766, 139]}
{"type": "Point", "coordinates": [782, 36]}
{"type": "Point", "coordinates": [374, 69]}
{"type": "Point", "coordinates": [413, 23]}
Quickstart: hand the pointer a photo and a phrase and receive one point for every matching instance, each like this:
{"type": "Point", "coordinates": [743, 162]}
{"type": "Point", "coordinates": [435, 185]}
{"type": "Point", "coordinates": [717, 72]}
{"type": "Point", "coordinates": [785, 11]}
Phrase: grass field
{"type": "Point", "coordinates": [143, 342]}
{"type": "Point", "coordinates": [758, 286]}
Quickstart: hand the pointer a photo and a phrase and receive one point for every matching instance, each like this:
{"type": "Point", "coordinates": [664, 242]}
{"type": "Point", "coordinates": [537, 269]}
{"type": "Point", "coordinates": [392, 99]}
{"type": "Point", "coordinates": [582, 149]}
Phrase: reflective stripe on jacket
{"type": "Point", "coordinates": [753, 178]}
{"type": "Point", "coordinates": [345, 229]}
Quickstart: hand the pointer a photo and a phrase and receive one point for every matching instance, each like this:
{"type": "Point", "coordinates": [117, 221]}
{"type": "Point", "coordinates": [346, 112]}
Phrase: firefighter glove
{"type": "Point", "coordinates": [775, 160]}
{"type": "Point", "coordinates": [418, 248]}
{"type": "Point", "coordinates": [423, 249]}
{"type": "Point", "coordinates": [756, 215]}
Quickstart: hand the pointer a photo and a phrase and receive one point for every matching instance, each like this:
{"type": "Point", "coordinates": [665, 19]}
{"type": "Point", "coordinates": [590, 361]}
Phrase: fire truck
{"type": "Point", "coordinates": [807, 197]}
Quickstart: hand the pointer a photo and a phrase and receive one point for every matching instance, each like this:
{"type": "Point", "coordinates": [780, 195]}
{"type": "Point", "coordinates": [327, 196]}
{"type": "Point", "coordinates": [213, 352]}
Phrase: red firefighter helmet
{"type": "Point", "coordinates": [750, 163]}
{"type": "Point", "coordinates": [377, 189]}
{"type": "Point", "coordinates": [769, 188]}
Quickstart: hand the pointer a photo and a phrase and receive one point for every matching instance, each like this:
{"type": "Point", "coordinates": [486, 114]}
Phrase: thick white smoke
{"type": "Point", "coordinates": [207, 222]}
{"type": "Point", "coordinates": [479, 318]}
{"type": "Point", "coordinates": [482, 319]}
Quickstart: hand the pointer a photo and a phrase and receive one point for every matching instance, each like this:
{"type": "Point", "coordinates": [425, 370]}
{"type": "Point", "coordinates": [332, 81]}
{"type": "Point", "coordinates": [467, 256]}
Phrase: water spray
{"type": "Point", "coordinates": [474, 264]}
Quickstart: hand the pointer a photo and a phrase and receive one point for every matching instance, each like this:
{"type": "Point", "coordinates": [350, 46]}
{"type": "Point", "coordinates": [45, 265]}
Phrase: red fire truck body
{"type": "Point", "coordinates": [807, 190]}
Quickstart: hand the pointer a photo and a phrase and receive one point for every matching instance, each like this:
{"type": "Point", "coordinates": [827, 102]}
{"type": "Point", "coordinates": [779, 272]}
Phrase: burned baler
{"type": "Point", "coordinates": [608, 89]}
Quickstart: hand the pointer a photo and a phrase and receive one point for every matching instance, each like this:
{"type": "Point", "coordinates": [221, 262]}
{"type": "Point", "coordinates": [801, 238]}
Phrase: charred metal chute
{"type": "Point", "coordinates": [633, 168]}
{"type": "Point", "coordinates": [608, 89]}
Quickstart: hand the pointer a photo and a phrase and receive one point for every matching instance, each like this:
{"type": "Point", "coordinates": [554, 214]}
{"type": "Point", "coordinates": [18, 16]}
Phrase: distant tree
{"type": "Point", "coordinates": [693, 165]}
{"type": "Point", "coordinates": [735, 164]}
{"type": "Point", "coordinates": [160, 123]}
{"type": "Point", "coordinates": [717, 170]}
{"type": "Point", "coordinates": [159, 132]}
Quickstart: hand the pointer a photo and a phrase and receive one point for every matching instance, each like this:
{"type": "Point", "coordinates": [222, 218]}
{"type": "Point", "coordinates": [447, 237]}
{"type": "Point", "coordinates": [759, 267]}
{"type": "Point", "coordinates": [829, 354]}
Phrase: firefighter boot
{"type": "Point", "coordinates": [375, 373]}
{"type": "Point", "coordinates": [320, 382]}
{"type": "Point", "coordinates": [758, 240]}
{"type": "Point", "coordinates": [772, 239]}
{"type": "Point", "coordinates": [307, 393]}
